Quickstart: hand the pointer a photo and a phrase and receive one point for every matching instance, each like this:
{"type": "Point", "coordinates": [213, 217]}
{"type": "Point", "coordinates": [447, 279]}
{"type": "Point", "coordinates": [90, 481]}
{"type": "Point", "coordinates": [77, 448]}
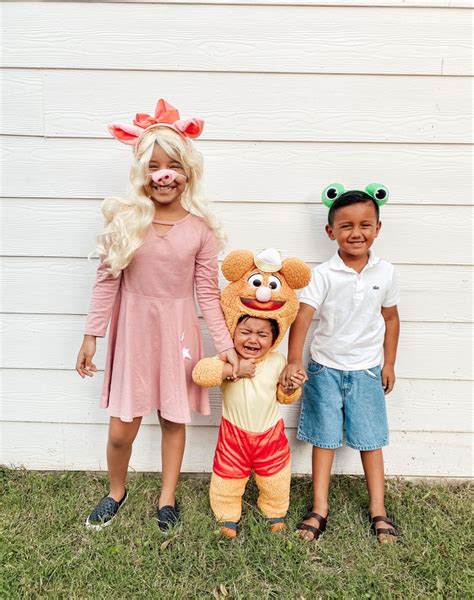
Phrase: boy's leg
{"type": "Point", "coordinates": [173, 439]}
{"type": "Point", "coordinates": [274, 496]}
{"type": "Point", "coordinates": [367, 431]}
{"type": "Point", "coordinates": [372, 461]}
{"type": "Point", "coordinates": [321, 469]}
{"type": "Point", "coordinates": [119, 450]}
{"type": "Point", "coordinates": [321, 424]}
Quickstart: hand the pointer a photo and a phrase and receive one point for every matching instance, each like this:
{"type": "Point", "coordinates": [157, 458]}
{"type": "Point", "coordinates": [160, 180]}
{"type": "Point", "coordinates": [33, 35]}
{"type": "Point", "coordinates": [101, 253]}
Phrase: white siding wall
{"type": "Point", "coordinates": [337, 91]}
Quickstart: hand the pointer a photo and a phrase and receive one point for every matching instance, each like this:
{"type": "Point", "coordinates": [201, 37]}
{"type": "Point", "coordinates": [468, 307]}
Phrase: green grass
{"type": "Point", "coordinates": [47, 553]}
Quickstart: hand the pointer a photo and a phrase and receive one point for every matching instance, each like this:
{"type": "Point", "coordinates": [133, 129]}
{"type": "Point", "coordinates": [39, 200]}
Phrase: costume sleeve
{"type": "Point", "coordinates": [392, 295]}
{"type": "Point", "coordinates": [284, 398]}
{"type": "Point", "coordinates": [208, 372]}
{"type": "Point", "coordinates": [102, 303]}
{"type": "Point", "coordinates": [314, 293]}
{"type": "Point", "coordinates": [208, 293]}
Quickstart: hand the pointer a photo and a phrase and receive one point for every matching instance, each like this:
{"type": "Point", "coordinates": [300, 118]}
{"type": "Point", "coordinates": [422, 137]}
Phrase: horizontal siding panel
{"type": "Point", "coordinates": [95, 168]}
{"type": "Point", "coordinates": [82, 447]}
{"type": "Point", "coordinates": [237, 38]}
{"type": "Point", "coordinates": [22, 103]}
{"type": "Point", "coordinates": [338, 3]}
{"type": "Point", "coordinates": [427, 350]}
{"type": "Point", "coordinates": [64, 285]}
{"type": "Point", "coordinates": [69, 228]}
{"type": "Point", "coordinates": [62, 396]}
{"type": "Point", "coordinates": [266, 106]}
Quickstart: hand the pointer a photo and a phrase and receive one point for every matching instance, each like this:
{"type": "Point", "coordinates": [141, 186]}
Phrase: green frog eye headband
{"type": "Point", "coordinates": [331, 193]}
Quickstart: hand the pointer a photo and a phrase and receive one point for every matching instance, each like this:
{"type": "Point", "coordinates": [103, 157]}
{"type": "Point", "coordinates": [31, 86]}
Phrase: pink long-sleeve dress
{"type": "Point", "coordinates": [154, 336]}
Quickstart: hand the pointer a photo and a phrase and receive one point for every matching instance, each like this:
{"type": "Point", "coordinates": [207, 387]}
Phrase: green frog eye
{"type": "Point", "coordinates": [378, 192]}
{"type": "Point", "coordinates": [332, 193]}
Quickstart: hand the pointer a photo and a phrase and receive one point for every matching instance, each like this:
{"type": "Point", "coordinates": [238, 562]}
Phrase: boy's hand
{"type": "Point", "coordinates": [247, 367]}
{"type": "Point", "coordinates": [388, 378]}
{"type": "Point", "coordinates": [298, 379]}
{"type": "Point", "coordinates": [292, 374]}
{"type": "Point", "coordinates": [84, 364]}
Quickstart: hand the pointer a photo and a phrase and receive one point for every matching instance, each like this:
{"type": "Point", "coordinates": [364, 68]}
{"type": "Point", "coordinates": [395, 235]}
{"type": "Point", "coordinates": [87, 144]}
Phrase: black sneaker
{"type": "Point", "coordinates": [168, 516]}
{"type": "Point", "coordinates": [105, 512]}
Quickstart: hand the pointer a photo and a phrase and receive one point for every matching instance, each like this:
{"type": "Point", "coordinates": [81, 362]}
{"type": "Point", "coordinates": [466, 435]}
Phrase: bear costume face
{"type": "Point", "coordinates": [262, 286]}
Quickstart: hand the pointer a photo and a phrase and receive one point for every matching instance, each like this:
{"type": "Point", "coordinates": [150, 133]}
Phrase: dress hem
{"type": "Point", "coordinates": [149, 412]}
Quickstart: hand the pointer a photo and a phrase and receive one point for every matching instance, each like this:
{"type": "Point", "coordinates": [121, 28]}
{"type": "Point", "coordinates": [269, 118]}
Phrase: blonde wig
{"type": "Point", "coordinates": [127, 219]}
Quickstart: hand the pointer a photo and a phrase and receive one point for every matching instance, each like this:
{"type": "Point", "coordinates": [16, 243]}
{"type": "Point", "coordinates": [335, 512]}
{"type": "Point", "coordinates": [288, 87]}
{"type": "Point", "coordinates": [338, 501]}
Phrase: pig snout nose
{"type": "Point", "coordinates": [164, 176]}
{"type": "Point", "coordinates": [264, 294]}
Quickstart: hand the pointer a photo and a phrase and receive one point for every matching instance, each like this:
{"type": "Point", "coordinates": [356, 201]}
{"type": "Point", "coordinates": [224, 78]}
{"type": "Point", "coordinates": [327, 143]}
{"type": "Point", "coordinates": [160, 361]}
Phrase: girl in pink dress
{"type": "Point", "coordinates": [158, 247]}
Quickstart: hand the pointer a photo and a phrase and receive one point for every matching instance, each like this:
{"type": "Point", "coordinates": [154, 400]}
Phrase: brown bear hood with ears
{"type": "Point", "coordinates": [266, 271]}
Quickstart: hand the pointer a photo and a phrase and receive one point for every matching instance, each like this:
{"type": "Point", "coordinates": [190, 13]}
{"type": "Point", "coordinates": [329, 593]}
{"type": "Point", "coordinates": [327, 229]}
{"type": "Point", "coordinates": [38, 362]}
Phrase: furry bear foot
{"type": "Point", "coordinates": [229, 529]}
{"type": "Point", "coordinates": [276, 525]}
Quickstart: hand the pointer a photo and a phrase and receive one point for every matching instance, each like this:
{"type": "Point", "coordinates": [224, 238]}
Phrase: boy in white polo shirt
{"type": "Point", "coordinates": [355, 296]}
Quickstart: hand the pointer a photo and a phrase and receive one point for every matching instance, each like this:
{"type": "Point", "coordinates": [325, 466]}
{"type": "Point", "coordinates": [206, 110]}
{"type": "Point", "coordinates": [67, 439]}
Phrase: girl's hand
{"type": "Point", "coordinates": [247, 367]}
{"type": "Point", "coordinates": [84, 364]}
{"type": "Point", "coordinates": [388, 378]}
{"type": "Point", "coordinates": [230, 356]}
{"type": "Point", "coordinates": [294, 369]}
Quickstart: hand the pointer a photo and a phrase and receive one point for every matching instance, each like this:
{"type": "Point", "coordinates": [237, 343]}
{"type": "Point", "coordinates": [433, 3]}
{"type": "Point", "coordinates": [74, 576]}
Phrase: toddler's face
{"type": "Point", "coordinates": [253, 337]}
{"type": "Point", "coordinates": [355, 228]}
{"type": "Point", "coordinates": [165, 194]}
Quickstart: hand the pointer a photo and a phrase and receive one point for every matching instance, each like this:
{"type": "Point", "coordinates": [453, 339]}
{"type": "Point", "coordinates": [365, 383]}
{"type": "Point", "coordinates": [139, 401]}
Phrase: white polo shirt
{"type": "Point", "coordinates": [350, 328]}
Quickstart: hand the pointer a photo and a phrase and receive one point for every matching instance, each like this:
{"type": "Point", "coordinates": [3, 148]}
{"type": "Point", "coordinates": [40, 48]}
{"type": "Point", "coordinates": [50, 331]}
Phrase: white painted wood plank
{"type": "Point", "coordinates": [426, 351]}
{"type": "Point", "coordinates": [62, 396]}
{"type": "Point", "coordinates": [430, 234]}
{"type": "Point", "coordinates": [22, 103]}
{"type": "Point", "coordinates": [237, 38]}
{"type": "Point", "coordinates": [244, 171]}
{"type": "Point", "coordinates": [63, 285]}
{"type": "Point", "coordinates": [267, 106]}
{"type": "Point", "coordinates": [82, 447]}
{"type": "Point", "coordinates": [338, 3]}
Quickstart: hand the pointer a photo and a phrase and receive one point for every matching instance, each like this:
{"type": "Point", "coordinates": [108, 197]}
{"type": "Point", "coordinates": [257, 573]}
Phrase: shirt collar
{"type": "Point", "coordinates": [338, 264]}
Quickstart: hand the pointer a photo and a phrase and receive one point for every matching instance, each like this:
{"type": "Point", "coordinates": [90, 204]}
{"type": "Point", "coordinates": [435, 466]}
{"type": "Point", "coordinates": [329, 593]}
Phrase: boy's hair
{"type": "Point", "coordinates": [273, 324]}
{"type": "Point", "coordinates": [348, 198]}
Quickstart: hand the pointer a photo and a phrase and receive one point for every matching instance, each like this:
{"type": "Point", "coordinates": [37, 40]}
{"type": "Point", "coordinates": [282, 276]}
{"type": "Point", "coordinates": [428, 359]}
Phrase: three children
{"type": "Point", "coordinates": [159, 244]}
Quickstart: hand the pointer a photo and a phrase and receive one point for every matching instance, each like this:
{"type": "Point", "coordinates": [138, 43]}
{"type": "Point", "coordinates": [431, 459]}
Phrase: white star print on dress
{"type": "Point", "coordinates": [186, 354]}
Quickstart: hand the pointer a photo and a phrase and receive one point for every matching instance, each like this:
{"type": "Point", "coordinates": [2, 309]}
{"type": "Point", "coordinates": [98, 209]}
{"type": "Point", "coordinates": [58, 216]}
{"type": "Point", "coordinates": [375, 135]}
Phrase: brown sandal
{"type": "Point", "coordinates": [316, 531]}
{"type": "Point", "coordinates": [384, 535]}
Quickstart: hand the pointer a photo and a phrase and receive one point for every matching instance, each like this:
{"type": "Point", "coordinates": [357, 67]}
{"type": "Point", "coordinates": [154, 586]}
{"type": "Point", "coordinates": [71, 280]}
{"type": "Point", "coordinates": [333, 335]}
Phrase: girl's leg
{"type": "Point", "coordinates": [321, 465]}
{"type": "Point", "coordinates": [119, 450]}
{"type": "Point", "coordinates": [372, 461]}
{"type": "Point", "coordinates": [173, 439]}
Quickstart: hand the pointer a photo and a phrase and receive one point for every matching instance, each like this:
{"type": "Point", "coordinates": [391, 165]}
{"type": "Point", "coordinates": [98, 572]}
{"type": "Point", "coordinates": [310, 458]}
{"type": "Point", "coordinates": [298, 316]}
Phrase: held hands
{"type": "Point", "coordinates": [293, 376]}
{"type": "Point", "coordinates": [388, 378]}
{"type": "Point", "coordinates": [297, 381]}
{"type": "Point", "coordinates": [247, 367]}
{"type": "Point", "coordinates": [84, 364]}
{"type": "Point", "coordinates": [230, 356]}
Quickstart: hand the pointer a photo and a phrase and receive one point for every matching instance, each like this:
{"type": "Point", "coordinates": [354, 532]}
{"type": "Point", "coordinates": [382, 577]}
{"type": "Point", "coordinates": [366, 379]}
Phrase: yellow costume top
{"type": "Point", "coordinates": [251, 402]}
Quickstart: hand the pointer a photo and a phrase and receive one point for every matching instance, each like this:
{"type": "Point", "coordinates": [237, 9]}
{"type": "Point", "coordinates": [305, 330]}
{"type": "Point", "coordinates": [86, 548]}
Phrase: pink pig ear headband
{"type": "Point", "coordinates": [165, 115]}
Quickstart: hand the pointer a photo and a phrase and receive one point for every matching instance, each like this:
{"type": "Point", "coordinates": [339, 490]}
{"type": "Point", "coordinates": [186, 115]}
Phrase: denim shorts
{"type": "Point", "coordinates": [334, 400]}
